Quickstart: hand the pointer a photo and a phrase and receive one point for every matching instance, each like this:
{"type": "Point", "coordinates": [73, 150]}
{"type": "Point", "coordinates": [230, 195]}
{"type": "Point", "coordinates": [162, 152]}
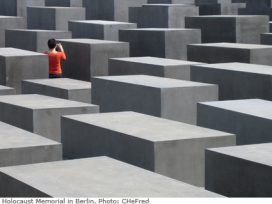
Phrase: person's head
{"type": "Point", "coordinates": [52, 43]}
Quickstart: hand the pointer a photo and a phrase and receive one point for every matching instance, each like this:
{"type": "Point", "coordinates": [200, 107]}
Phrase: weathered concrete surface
{"type": "Point", "coordinates": [98, 29]}
{"type": "Point", "coordinates": [40, 114]}
{"type": "Point", "coordinates": [230, 52]}
{"type": "Point", "coordinates": [169, 68]}
{"type": "Point", "coordinates": [160, 42]}
{"type": "Point", "coordinates": [5, 90]}
{"type": "Point", "coordinates": [19, 147]}
{"type": "Point", "coordinates": [64, 3]}
{"type": "Point", "coordinates": [17, 64]}
{"type": "Point", "coordinates": [242, 171]}
{"type": "Point", "coordinates": [92, 177]}
{"type": "Point", "coordinates": [88, 57]}
{"type": "Point", "coordinates": [250, 119]}
{"type": "Point", "coordinates": [266, 38]}
{"type": "Point", "coordinates": [32, 39]}
{"type": "Point", "coordinates": [166, 147]}
{"type": "Point", "coordinates": [157, 96]}
{"type": "Point", "coordinates": [65, 88]}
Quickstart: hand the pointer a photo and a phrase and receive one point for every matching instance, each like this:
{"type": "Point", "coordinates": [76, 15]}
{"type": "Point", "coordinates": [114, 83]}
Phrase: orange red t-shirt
{"type": "Point", "coordinates": [55, 59]}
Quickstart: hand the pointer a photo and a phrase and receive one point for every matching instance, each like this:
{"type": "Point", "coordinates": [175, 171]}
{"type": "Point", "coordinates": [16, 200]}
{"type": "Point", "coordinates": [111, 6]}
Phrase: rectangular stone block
{"type": "Point", "coordinates": [98, 29]}
{"type": "Point", "coordinates": [22, 147]}
{"type": "Point", "coordinates": [64, 3]}
{"type": "Point", "coordinates": [270, 26]}
{"type": "Point", "coordinates": [266, 38]}
{"type": "Point", "coordinates": [9, 22]}
{"type": "Point", "coordinates": [17, 64]}
{"type": "Point", "coordinates": [236, 80]}
{"type": "Point", "coordinates": [250, 119]}
{"type": "Point", "coordinates": [65, 88]}
{"type": "Point", "coordinates": [230, 52]}
{"type": "Point", "coordinates": [171, 1]}
{"type": "Point", "coordinates": [5, 90]}
{"type": "Point", "coordinates": [256, 11]}
{"type": "Point", "coordinates": [162, 15]}
{"type": "Point", "coordinates": [229, 28]}
{"type": "Point", "coordinates": [32, 39]}
{"type": "Point", "coordinates": [169, 68]}
{"type": "Point", "coordinates": [40, 114]}
{"type": "Point", "coordinates": [166, 147]}
{"type": "Point", "coordinates": [88, 57]}
{"type": "Point", "coordinates": [258, 4]}
{"type": "Point", "coordinates": [53, 18]}
{"type": "Point", "coordinates": [157, 96]}
{"type": "Point", "coordinates": [160, 42]}
{"type": "Point", "coordinates": [91, 177]}
{"type": "Point", "coordinates": [242, 171]}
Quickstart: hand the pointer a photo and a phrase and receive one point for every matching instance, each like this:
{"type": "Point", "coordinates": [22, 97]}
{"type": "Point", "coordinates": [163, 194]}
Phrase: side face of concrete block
{"type": "Point", "coordinates": [266, 39]}
{"type": "Point", "coordinates": [64, 3]}
{"type": "Point", "coordinates": [4, 90]}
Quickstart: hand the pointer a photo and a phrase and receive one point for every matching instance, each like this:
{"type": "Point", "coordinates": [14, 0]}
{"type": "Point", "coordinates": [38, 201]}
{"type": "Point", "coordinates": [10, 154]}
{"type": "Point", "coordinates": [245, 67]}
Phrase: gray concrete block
{"type": "Point", "coordinates": [258, 4]}
{"type": "Point", "coordinates": [266, 38]}
{"type": "Point", "coordinates": [230, 28]}
{"type": "Point", "coordinates": [256, 11]}
{"type": "Point", "coordinates": [160, 42]}
{"type": "Point", "coordinates": [169, 68]}
{"type": "Point", "coordinates": [17, 64]}
{"type": "Point", "coordinates": [65, 88]}
{"type": "Point", "coordinates": [230, 52]}
{"type": "Point", "coordinates": [112, 10]}
{"type": "Point", "coordinates": [162, 15]}
{"type": "Point", "coordinates": [53, 18]}
{"type": "Point", "coordinates": [98, 29]}
{"type": "Point", "coordinates": [40, 114]}
{"type": "Point", "coordinates": [157, 96]}
{"type": "Point", "coordinates": [242, 171]}
{"type": "Point", "coordinates": [270, 26]}
{"type": "Point", "coordinates": [9, 22]}
{"type": "Point", "coordinates": [236, 80]}
{"type": "Point", "coordinates": [88, 57]}
{"type": "Point", "coordinates": [249, 119]}
{"type": "Point", "coordinates": [166, 147]}
{"type": "Point", "coordinates": [5, 90]}
{"type": "Point", "coordinates": [33, 40]}
{"type": "Point", "coordinates": [64, 3]}
{"type": "Point", "coordinates": [22, 147]}
{"type": "Point", "coordinates": [171, 1]}
{"type": "Point", "coordinates": [91, 177]}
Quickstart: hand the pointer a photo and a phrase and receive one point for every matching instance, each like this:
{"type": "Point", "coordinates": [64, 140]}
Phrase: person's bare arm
{"type": "Point", "coordinates": [60, 47]}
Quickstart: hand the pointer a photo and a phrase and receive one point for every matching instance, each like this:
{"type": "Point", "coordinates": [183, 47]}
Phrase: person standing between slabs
{"type": "Point", "coordinates": [55, 55]}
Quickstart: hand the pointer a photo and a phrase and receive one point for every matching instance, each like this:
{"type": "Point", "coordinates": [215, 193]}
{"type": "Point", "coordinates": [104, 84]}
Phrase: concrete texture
{"type": "Point", "coordinates": [157, 96]}
{"type": "Point", "coordinates": [53, 18]}
{"type": "Point", "coordinates": [98, 29]}
{"type": "Point", "coordinates": [64, 3]}
{"type": "Point", "coordinates": [33, 40]}
{"type": "Point", "coordinates": [9, 22]}
{"type": "Point", "coordinates": [166, 147]}
{"type": "Point", "coordinates": [112, 10]}
{"type": "Point", "coordinates": [236, 80]}
{"type": "Point", "coordinates": [94, 177]}
{"type": "Point", "coordinates": [230, 52]}
{"type": "Point", "coordinates": [243, 171]}
{"type": "Point", "coordinates": [40, 114]}
{"type": "Point", "coordinates": [19, 147]}
{"type": "Point", "coordinates": [17, 64]}
{"type": "Point", "coordinates": [250, 119]}
{"type": "Point", "coordinates": [266, 38]}
{"type": "Point", "coordinates": [5, 90]}
{"type": "Point", "coordinates": [162, 15]}
{"type": "Point", "coordinates": [169, 68]}
{"type": "Point", "coordinates": [160, 42]}
{"type": "Point", "coordinates": [88, 57]}
{"type": "Point", "coordinates": [231, 28]}
{"type": "Point", "coordinates": [65, 88]}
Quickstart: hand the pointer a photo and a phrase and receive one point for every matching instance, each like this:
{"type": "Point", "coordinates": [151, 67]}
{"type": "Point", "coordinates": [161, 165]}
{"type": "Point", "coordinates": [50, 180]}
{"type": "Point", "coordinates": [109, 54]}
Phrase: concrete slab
{"type": "Point", "coordinates": [17, 64]}
{"type": "Point", "coordinates": [249, 119]}
{"type": "Point", "coordinates": [229, 28]}
{"type": "Point", "coordinates": [228, 169]}
{"type": "Point", "coordinates": [160, 42]}
{"type": "Point", "coordinates": [40, 114]}
{"type": "Point", "coordinates": [53, 18]}
{"type": "Point", "coordinates": [65, 88]}
{"type": "Point", "coordinates": [33, 39]}
{"type": "Point", "coordinates": [98, 29]}
{"type": "Point", "coordinates": [5, 90]}
{"type": "Point", "coordinates": [89, 57]}
{"type": "Point", "coordinates": [22, 147]}
{"type": "Point", "coordinates": [64, 3]}
{"type": "Point", "coordinates": [230, 52]}
{"type": "Point", "coordinates": [166, 147]}
{"type": "Point", "coordinates": [157, 96]}
{"type": "Point", "coordinates": [169, 68]}
{"type": "Point", "coordinates": [96, 177]}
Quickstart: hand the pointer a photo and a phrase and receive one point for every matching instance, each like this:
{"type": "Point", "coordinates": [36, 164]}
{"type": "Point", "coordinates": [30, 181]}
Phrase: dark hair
{"type": "Point", "coordinates": [52, 43]}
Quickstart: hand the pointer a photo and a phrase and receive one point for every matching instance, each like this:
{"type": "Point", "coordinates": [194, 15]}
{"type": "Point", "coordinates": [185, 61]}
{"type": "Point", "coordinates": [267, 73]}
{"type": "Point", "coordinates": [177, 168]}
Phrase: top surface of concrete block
{"type": "Point", "coordinates": [90, 41]}
{"type": "Point", "coordinates": [39, 30]}
{"type": "Point", "coordinates": [62, 83]}
{"type": "Point", "coordinates": [13, 52]}
{"type": "Point", "coordinates": [152, 81]}
{"type": "Point", "coordinates": [235, 46]}
{"type": "Point", "coordinates": [100, 177]}
{"type": "Point", "coordinates": [101, 22]}
{"type": "Point", "coordinates": [169, 5]}
{"type": "Point", "coordinates": [6, 88]}
{"type": "Point", "coordinates": [147, 127]}
{"type": "Point", "coordinates": [8, 17]}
